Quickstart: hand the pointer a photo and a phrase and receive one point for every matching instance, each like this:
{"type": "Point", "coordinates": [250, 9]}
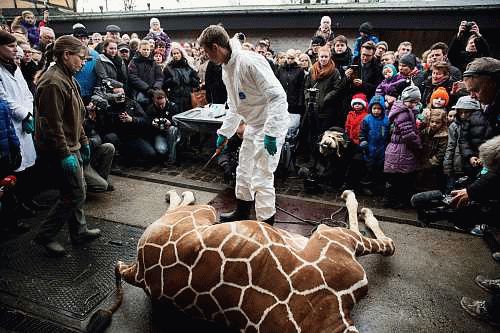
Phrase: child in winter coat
{"type": "Point", "coordinates": [434, 136]}
{"type": "Point", "coordinates": [373, 138]}
{"type": "Point", "coordinates": [391, 80]}
{"type": "Point", "coordinates": [400, 155]}
{"type": "Point", "coordinates": [28, 21]}
{"type": "Point", "coordinates": [439, 100]}
{"type": "Point", "coordinates": [354, 155]}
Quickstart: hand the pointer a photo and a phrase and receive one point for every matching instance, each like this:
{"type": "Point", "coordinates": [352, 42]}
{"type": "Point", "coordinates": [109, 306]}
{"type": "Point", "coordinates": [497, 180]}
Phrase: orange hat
{"type": "Point", "coordinates": [441, 92]}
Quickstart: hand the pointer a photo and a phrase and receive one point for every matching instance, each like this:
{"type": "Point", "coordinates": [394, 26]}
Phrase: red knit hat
{"type": "Point", "coordinates": [440, 92]}
{"type": "Point", "coordinates": [359, 98]}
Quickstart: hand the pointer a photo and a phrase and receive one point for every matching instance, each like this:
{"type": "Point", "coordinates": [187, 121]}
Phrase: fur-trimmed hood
{"type": "Point", "coordinates": [489, 153]}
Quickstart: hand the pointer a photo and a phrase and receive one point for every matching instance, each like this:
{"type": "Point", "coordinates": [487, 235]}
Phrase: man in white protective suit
{"type": "Point", "coordinates": [255, 96]}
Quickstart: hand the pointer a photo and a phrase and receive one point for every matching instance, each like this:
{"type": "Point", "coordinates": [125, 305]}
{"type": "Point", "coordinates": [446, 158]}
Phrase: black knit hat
{"type": "Point", "coordinates": [318, 40]}
{"type": "Point", "coordinates": [366, 27]}
{"type": "Point", "coordinates": [409, 60]}
{"type": "Point", "coordinates": [79, 30]}
{"type": "Point", "coordinates": [6, 38]}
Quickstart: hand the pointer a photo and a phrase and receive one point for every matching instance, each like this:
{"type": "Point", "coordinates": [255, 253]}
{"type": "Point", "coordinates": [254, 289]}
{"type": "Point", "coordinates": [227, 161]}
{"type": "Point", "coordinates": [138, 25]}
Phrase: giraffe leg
{"type": "Point", "coordinates": [352, 208]}
{"type": "Point", "coordinates": [174, 200]}
{"type": "Point", "coordinates": [187, 198]}
{"type": "Point", "coordinates": [127, 272]}
{"type": "Point", "coordinates": [383, 244]}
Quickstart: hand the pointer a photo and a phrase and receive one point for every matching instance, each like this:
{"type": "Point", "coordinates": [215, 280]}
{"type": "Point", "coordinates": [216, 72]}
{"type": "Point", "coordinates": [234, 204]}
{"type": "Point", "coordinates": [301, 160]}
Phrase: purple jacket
{"type": "Point", "coordinates": [388, 86]}
{"type": "Point", "coordinates": [405, 140]}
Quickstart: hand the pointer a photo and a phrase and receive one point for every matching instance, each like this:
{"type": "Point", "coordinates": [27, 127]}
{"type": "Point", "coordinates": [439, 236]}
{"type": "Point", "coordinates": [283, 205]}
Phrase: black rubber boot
{"type": "Point", "coordinates": [242, 212]}
{"type": "Point", "coordinates": [270, 220]}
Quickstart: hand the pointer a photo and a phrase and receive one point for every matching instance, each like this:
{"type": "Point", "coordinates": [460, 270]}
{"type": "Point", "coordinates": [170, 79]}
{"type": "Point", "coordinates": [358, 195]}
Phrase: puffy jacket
{"type": "Point", "coordinates": [144, 74]}
{"type": "Point", "coordinates": [160, 35]}
{"type": "Point", "coordinates": [254, 94]}
{"type": "Point", "coordinates": [476, 130]}
{"type": "Point", "coordinates": [33, 33]}
{"type": "Point", "coordinates": [87, 77]}
{"type": "Point", "coordinates": [291, 78]}
{"type": "Point", "coordinates": [139, 126]}
{"type": "Point", "coordinates": [180, 80]}
{"type": "Point", "coordinates": [375, 131]}
{"type": "Point", "coordinates": [353, 124]}
{"type": "Point", "coordinates": [453, 157]}
{"type": "Point", "coordinates": [429, 88]}
{"type": "Point", "coordinates": [389, 86]}
{"type": "Point", "coordinates": [8, 137]}
{"type": "Point", "coordinates": [360, 40]}
{"type": "Point", "coordinates": [400, 154]}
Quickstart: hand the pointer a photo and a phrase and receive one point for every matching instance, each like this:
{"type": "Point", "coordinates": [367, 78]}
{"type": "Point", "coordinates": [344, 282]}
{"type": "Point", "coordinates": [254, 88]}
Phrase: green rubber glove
{"type": "Point", "coordinates": [220, 140]}
{"type": "Point", "coordinates": [85, 153]}
{"type": "Point", "coordinates": [270, 144]}
{"type": "Point", "coordinates": [69, 164]}
{"type": "Point", "coordinates": [29, 124]}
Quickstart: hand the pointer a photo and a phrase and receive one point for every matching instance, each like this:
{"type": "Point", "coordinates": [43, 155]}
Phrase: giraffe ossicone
{"type": "Point", "coordinates": [254, 277]}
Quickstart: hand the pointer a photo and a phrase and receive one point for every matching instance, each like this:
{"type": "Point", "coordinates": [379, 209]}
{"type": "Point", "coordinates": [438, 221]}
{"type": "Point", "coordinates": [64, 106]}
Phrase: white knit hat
{"type": "Point", "coordinates": [153, 20]}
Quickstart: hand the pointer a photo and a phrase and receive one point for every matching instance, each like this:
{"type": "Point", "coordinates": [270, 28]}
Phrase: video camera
{"type": "Point", "coordinates": [435, 205]}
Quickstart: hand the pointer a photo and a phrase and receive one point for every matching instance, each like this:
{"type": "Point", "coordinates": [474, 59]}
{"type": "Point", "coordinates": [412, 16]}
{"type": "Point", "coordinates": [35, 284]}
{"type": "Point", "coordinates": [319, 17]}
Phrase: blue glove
{"type": "Point", "coordinates": [29, 124]}
{"type": "Point", "coordinates": [69, 164]}
{"type": "Point", "coordinates": [85, 153]}
{"type": "Point", "coordinates": [220, 140]}
{"type": "Point", "coordinates": [270, 144]}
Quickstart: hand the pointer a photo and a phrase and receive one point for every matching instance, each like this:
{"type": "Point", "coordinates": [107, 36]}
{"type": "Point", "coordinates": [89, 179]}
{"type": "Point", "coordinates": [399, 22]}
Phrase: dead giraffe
{"type": "Point", "coordinates": [251, 276]}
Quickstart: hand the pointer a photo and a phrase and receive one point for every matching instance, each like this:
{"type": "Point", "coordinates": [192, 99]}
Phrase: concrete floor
{"type": "Point", "coordinates": [416, 290]}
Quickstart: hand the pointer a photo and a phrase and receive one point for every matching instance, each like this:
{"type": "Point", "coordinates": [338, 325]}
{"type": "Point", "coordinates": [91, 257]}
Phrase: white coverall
{"type": "Point", "coordinates": [255, 96]}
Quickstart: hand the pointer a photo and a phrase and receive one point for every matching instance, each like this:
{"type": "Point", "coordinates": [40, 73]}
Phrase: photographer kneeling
{"type": "Point", "coordinates": [478, 201]}
{"type": "Point", "coordinates": [126, 125]}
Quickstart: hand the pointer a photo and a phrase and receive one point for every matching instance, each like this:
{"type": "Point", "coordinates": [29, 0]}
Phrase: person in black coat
{"type": "Point", "coordinates": [145, 76]}
{"type": "Point", "coordinates": [126, 127]}
{"type": "Point", "coordinates": [216, 90]}
{"type": "Point", "coordinates": [341, 54]}
{"type": "Point", "coordinates": [291, 77]}
{"type": "Point", "coordinates": [180, 79]}
{"type": "Point", "coordinates": [467, 45]}
{"type": "Point", "coordinates": [370, 72]}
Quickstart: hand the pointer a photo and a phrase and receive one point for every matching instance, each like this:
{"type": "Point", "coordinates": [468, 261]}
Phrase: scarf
{"type": "Point", "coordinates": [318, 72]}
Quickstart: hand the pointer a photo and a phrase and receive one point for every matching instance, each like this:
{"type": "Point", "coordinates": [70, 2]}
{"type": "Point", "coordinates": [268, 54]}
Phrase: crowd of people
{"type": "Point", "coordinates": [410, 122]}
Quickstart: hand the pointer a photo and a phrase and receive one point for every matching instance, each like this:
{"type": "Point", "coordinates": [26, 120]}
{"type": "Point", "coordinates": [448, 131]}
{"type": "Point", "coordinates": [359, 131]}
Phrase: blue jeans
{"type": "Point", "coordinates": [165, 143]}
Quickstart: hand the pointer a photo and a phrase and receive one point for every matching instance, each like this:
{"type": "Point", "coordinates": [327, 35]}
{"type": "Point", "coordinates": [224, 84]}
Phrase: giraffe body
{"type": "Point", "coordinates": [252, 276]}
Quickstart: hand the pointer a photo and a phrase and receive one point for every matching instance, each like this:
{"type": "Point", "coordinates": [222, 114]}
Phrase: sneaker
{"type": "Point", "coordinates": [496, 256]}
{"type": "Point", "coordinates": [478, 309]}
{"type": "Point", "coordinates": [87, 236]}
{"type": "Point", "coordinates": [490, 285]}
{"type": "Point", "coordinates": [478, 230]}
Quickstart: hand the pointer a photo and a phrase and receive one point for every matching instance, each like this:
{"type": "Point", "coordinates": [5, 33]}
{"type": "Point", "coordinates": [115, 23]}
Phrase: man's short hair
{"type": "Point", "coordinates": [340, 39]}
{"type": "Point", "coordinates": [369, 45]}
{"type": "Point", "coordinates": [214, 34]}
{"type": "Point", "coordinates": [405, 43]}
{"type": "Point", "coordinates": [159, 92]}
{"type": "Point", "coordinates": [144, 42]}
{"type": "Point", "coordinates": [442, 66]}
{"type": "Point", "coordinates": [440, 46]}
{"type": "Point", "coordinates": [46, 30]}
{"type": "Point", "coordinates": [263, 43]}
{"type": "Point", "coordinates": [484, 66]}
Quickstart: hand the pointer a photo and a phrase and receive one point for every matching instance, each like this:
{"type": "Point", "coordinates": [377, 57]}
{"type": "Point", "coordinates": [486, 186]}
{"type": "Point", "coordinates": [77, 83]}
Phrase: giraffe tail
{"type": "Point", "coordinates": [101, 319]}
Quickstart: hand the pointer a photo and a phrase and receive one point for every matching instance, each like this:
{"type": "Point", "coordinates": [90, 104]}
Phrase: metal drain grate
{"type": "Point", "coordinates": [75, 284]}
{"type": "Point", "coordinates": [15, 321]}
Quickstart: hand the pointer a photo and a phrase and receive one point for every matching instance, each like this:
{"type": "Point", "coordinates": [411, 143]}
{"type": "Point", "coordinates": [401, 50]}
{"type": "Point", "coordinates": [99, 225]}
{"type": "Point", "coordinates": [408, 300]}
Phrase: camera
{"type": "Point", "coordinates": [162, 123]}
{"type": "Point", "coordinates": [313, 92]}
{"type": "Point", "coordinates": [469, 26]}
{"type": "Point", "coordinates": [241, 36]}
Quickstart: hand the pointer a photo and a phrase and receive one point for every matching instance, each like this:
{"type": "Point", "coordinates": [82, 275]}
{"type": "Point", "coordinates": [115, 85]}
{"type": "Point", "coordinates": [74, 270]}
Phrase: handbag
{"type": "Point", "coordinates": [199, 98]}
